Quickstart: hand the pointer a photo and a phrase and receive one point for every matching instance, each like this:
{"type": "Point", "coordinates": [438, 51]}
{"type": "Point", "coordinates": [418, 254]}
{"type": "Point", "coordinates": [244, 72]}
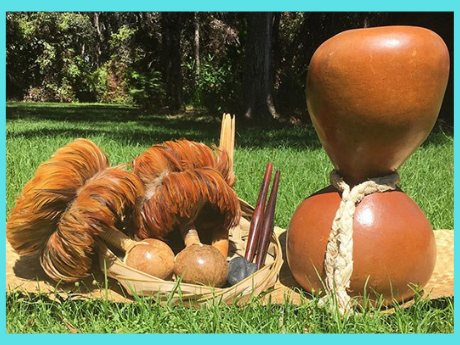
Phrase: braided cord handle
{"type": "Point", "coordinates": [338, 262]}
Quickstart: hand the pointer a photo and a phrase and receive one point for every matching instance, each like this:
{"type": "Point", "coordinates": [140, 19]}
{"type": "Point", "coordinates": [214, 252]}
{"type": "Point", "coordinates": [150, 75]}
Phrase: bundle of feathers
{"type": "Point", "coordinates": [73, 197]}
{"type": "Point", "coordinates": [187, 185]}
{"type": "Point", "coordinates": [76, 196]}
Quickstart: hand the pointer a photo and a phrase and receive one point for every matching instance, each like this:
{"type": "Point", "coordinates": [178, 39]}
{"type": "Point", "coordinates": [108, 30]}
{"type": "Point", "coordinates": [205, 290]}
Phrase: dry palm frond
{"type": "Point", "coordinates": [227, 144]}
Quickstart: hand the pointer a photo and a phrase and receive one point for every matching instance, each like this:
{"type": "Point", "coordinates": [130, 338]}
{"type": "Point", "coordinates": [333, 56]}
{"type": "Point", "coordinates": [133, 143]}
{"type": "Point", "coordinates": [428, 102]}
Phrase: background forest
{"type": "Point", "coordinates": [251, 64]}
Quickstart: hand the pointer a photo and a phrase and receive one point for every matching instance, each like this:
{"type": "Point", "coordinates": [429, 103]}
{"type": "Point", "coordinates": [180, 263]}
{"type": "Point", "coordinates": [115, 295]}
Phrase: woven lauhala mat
{"type": "Point", "coordinates": [26, 275]}
{"type": "Point", "coordinates": [441, 283]}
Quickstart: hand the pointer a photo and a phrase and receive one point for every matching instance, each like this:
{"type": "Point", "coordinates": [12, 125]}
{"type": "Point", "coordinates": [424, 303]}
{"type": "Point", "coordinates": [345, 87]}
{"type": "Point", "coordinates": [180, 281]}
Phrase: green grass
{"type": "Point", "coordinates": [35, 131]}
{"type": "Point", "coordinates": [39, 314]}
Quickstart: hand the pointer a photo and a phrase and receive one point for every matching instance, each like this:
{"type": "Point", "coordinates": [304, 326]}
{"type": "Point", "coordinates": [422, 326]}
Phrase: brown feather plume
{"type": "Point", "coordinates": [73, 197]}
{"type": "Point", "coordinates": [180, 155]}
{"type": "Point", "coordinates": [182, 179]}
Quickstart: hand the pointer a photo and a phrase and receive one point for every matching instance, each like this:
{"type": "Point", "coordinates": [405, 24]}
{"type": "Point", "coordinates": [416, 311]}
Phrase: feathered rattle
{"type": "Point", "coordinates": [189, 191]}
{"type": "Point", "coordinates": [74, 198]}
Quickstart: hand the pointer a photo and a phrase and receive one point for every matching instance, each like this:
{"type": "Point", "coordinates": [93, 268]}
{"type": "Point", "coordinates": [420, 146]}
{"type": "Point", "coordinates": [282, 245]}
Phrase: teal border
{"type": "Point", "coordinates": [234, 5]}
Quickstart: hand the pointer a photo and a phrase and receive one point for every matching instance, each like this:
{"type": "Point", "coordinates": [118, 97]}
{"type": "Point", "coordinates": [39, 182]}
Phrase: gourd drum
{"type": "Point", "coordinates": [373, 95]}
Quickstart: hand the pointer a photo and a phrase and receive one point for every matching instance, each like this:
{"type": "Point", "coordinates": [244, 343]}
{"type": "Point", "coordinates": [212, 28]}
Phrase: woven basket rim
{"type": "Point", "coordinates": [133, 280]}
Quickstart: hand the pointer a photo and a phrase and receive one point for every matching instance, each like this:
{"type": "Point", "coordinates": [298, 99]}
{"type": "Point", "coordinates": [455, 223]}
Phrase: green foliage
{"type": "Point", "coordinates": [214, 87]}
{"type": "Point", "coordinates": [113, 76]}
{"type": "Point", "coordinates": [122, 79]}
{"type": "Point", "coordinates": [121, 57]}
{"type": "Point", "coordinates": [57, 52]}
{"type": "Point", "coordinates": [111, 83]}
{"type": "Point", "coordinates": [68, 57]}
{"type": "Point", "coordinates": [120, 44]}
{"type": "Point", "coordinates": [57, 42]}
{"type": "Point", "coordinates": [99, 84]}
{"type": "Point", "coordinates": [147, 90]}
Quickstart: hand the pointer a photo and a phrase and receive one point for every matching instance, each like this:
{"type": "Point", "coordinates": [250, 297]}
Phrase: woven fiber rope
{"type": "Point", "coordinates": [338, 262]}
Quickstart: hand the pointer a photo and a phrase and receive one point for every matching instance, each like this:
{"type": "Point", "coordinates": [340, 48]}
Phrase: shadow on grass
{"type": "Point", "coordinates": [145, 128]}
{"type": "Point", "coordinates": [134, 125]}
{"type": "Point", "coordinates": [71, 112]}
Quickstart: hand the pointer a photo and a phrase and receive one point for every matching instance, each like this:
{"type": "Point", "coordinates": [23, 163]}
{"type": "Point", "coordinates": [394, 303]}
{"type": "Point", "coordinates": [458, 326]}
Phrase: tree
{"type": "Point", "coordinates": [251, 64]}
{"type": "Point", "coordinates": [171, 25]}
{"type": "Point", "coordinates": [19, 58]}
{"type": "Point", "coordinates": [258, 83]}
{"type": "Point", "coordinates": [196, 39]}
{"type": "Point", "coordinates": [100, 37]}
{"type": "Point", "coordinates": [52, 49]}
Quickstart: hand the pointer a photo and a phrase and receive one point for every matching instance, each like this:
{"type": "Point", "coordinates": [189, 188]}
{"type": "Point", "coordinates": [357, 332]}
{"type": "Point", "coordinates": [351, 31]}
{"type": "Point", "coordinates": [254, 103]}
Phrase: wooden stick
{"type": "Point", "coordinates": [227, 132]}
{"type": "Point", "coordinates": [232, 140]}
{"type": "Point", "coordinates": [223, 126]}
{"type": "Point", "coordinates": [227, 141]}
{"type": "Point", "coordinates": [190, 235]}
{"type": "Point", "coordinates": [268, 225]}
{"type": "Point", "coordinates": [258, 216]}
{"type": "Point", "coordinates": [118, 239]}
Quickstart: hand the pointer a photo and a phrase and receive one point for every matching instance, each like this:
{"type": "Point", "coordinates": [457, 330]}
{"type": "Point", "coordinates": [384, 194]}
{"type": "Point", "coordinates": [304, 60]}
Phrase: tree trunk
{"type": "Point", "coordinates": [171, 25]}
{"type": "Point", "coordinates": [276, 43]}
{"type": "Point", "coordinates": [99, 39]}
{"type": "Point", "coordinates": [196, 22]}
{"type": "Point", "coordinates": [258, 85]}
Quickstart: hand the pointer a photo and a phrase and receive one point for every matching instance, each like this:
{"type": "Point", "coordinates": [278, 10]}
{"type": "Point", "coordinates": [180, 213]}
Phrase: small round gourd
{"type": "Point", "coordinates": [201, 264]}
{"type": "Point", "coordinates": [153, 257]}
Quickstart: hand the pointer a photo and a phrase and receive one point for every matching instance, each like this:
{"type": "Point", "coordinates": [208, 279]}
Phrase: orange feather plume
{"type": "Point", "coordinates": [183, 180]}
{"type": "Point", "coordinates": [72, 198]}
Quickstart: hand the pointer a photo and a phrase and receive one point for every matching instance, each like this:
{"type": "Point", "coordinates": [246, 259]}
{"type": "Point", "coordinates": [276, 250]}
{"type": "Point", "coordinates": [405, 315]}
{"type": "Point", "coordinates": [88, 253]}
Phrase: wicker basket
{"type": "Point", "coordinates": [139, 283]}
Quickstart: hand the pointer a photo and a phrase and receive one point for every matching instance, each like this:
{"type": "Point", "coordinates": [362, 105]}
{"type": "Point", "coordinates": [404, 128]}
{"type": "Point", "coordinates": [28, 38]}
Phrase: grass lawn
{"type": "Point", "coordinates": [35, 131]}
